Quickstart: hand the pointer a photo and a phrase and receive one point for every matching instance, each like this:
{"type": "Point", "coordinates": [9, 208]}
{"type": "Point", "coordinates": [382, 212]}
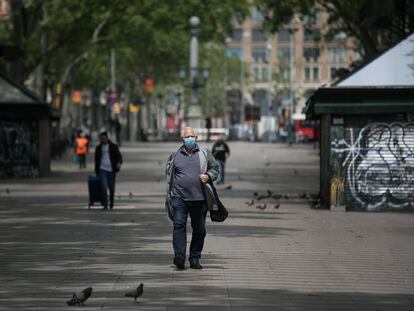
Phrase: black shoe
{"type": "Point", "coordinates": [196, 266]}
{"type": "Point", "coordinates": [105, 208]}
{"type": "Point", "coordinates": [111, 206]}
{"type": "Point", "coordinates": [179, 262]}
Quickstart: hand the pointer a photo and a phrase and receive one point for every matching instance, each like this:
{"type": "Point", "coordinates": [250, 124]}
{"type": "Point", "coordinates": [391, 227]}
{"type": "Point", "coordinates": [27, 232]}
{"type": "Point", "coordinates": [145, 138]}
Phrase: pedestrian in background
{"type": "Point", "coordinates": [221, 152]}
{"type": "Point", "coordinates": [108, 161]}
{"type": "Point", "coordinates": [81, 149]}
{"type": "Point", "coordinates": [187, 169]}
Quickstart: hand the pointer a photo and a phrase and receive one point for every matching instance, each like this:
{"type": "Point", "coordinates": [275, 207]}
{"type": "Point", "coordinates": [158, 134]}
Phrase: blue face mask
{"type": "Point", "coordinates": [189, 142]}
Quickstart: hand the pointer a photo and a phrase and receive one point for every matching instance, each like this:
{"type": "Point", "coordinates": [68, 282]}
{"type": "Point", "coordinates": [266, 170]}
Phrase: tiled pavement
{"type": "Point", "coordinates": [291, 258]}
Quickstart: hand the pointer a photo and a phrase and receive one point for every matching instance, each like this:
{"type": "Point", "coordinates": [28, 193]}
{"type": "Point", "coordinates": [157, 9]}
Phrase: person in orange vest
{"type": "Point", "coordinates": [81, 149]}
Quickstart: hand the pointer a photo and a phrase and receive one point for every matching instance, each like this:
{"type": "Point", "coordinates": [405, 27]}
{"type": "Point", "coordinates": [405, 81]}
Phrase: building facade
{"type": "Point", "coordinates": [281, 70]}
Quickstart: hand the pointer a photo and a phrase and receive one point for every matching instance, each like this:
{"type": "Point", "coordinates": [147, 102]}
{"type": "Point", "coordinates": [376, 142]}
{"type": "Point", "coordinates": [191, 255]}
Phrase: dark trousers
{"type": "Point", "coordinates": [198, 212]}
{"type": "Point", "coordinates": [82, 161]}
{"type": "Point", "coordinates": [107, 182]}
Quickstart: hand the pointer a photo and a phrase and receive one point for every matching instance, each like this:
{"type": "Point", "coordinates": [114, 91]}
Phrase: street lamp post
{"type": "Point", "coordinates": [192, 115]}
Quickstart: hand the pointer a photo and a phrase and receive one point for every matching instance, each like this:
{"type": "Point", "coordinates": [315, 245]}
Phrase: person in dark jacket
{"type": "Point", "coordinates": [187, 168]}
{"type": "Point", "coordinates": [221, 152]}
{"type": "Point", "coordinates": [108, 161]}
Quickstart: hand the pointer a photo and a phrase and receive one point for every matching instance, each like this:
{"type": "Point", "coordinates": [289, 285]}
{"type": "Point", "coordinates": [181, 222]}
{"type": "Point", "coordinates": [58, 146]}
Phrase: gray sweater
{"type": "Point", "coordinates": [208, 165]}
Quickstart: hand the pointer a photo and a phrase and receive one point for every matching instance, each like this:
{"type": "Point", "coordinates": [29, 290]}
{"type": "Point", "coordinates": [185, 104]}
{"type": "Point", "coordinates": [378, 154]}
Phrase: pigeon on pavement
{"type": "Point", "coordinates": [261, 206]}
{"type": "Point", "coordinates": [136, 292]}
{"type": "Point", "coordinates": [295, 172]}
{"type": "Point", "coordinates": [228, 187]}
{"type": "Point", "coordinates": [80, 297]}
{"type": "Point", "coordinates": [265, 196]}
{"type": "Point", "coordinates": [277, 196]}
{"type": "Point", "coordinates": [250, 203]}
{"type": "Point", "coordinates": [130, 195]}
{"type": "Point", "coordinates": [7, 190]}
{"type": "Point", "coordinates": [276, 205]}
{"type": "Point", "coordinates": [267, 164]}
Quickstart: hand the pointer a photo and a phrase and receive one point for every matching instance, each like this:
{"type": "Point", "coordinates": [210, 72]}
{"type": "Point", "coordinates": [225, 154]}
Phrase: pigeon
{"type": "Point", "coordinates": [286, 197]}
{"type": "Point", "coordinates": [159, 179]}
{"type": "Point", "coordinates": [277, 197]}
{"type": "Point", "coordinates": [276, 205]}
{"type": "Point", "coordinates": [130, 195]}
{"type": "Point", "coordinates": [7, 190]}
{"type": "Point", "coordinates": [250, 203]}
{"type": "Point", "coordinates": [228, 187]}
{"type": "Point", "coordinates": [303, 196]}
{"type": "Point", "coordinates": [295, 172]}
{"type": "Point", "coordinates": [136, 292]}
{"type": "Point", "coordinates": [265, 196]}
{"type": "Point", "coordinates": [80, 297]}
{"type": "Point", "coordinates": [261, 206]}
{"type": "Point", "coordinates": [255, 194]}
{"type": "Point", "coordinates": [267, 164]}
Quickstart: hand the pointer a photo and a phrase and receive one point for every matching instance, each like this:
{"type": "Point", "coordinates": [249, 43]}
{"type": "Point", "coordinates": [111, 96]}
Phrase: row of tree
{"type": "Point", "coordinates": [69, 41]}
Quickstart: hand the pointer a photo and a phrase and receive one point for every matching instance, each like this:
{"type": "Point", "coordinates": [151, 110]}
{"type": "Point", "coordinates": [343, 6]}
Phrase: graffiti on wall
{"type": "Point", "coordinates": [378, 163]}
{"type": "Point", "coordinates": [18, 150]}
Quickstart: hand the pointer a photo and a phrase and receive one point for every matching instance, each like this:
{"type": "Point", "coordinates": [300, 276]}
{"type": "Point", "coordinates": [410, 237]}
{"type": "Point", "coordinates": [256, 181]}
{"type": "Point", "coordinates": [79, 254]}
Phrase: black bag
{"type": "Point", "coordinates": [220, 213]}
{"type": "Point", "coordinates": [94, 189]}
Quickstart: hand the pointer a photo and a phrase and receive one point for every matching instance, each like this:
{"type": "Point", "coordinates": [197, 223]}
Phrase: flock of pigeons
{"type": "Point", "coordinates": [79, 298]}
{"type": "Point", "coordinates": [313, 198]}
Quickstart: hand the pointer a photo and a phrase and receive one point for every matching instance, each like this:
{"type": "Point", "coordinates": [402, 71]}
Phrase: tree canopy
{"type": "Point", "coordinates": [374, 25]}
{"type": "Point", "coordinates": [73, 38]}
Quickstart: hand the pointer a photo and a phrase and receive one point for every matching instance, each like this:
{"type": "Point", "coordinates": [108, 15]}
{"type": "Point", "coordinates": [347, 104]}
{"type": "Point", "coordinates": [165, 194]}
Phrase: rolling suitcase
{"type": "Point", "coordinates": [95, 191]}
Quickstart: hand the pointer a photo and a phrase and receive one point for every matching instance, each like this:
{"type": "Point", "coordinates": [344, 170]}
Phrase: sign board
{"type": "Point", "coordinates": [76, 97]}
{"type": "Point", "coordinates": [252, 113]}
{"type": "Point", "coordinates": [149, 85]}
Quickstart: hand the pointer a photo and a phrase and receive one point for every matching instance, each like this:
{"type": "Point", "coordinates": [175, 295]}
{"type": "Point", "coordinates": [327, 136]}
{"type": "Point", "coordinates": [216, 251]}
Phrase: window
{"type": "Point", "coordinates": [234, 53]}
{"type": "Point", "coordinates": [257, 16]}
{"type": "Point", "coordinates": [311, 74]}
{"type": "Point", "coordinates": [265, 73]}
{"type": "Point", "coordinates": [307, 74]}
{"type": "Point", "coordinates": [284, 73]}
{"type": "Point", "coordinates": [283, 54]}
{"type": "Point", "coordinates": [283, 35]}
{"type": "Point", "coordinates": [258, 35]}
{"type": "Point", "coordinates": [259, 54]}
{"type": "Point", "coordinates": [315, 74]}
{"type": "Point", "coordinates": [237, 35]}
{"type": "Point", "coordinates": [255, 73]}
{"type": "Point", "coordinates": [311, 54]}
{"type": "Point", "coordinates": [311, 35]}
{"type": "Point", "coordinates": [313, 18]}
{"type": "Point", "coordinates": [337, 55]}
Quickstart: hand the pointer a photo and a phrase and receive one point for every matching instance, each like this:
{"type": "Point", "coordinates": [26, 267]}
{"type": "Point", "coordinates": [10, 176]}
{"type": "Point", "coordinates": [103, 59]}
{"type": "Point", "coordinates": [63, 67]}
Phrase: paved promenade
{"type": "Point", "coordinates": [291, 258]}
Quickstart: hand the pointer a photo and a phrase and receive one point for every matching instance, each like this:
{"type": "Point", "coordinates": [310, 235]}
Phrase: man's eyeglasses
{"type": "Point", "coordinates": [189, 136]}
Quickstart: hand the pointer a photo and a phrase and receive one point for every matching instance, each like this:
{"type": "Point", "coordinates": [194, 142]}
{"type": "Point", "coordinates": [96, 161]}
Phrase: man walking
{"type": "Point", "coordinates": [187, 169]}
{"type": "Point", "coordinates": [221, 152]}
{"type": "Point", "coordinates": [108, 161]}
